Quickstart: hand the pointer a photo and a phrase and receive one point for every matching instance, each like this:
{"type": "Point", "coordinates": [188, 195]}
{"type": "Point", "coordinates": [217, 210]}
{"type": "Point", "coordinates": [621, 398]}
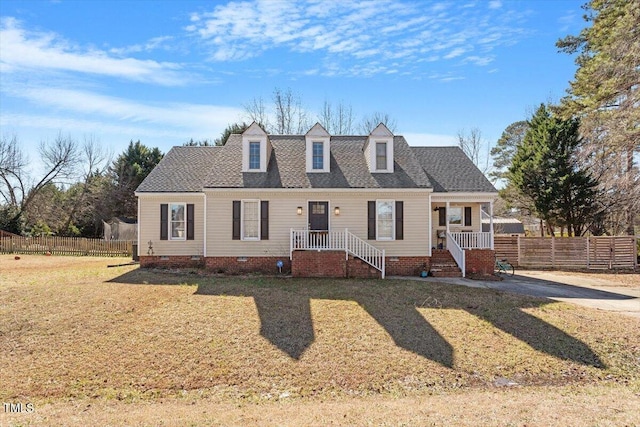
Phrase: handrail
{"type": "Point", "coordinates": [337, 240]}
{"type": "Point", "coordinates": [456, 252]}
{"type": "Point", "coordinates": [472, 240]}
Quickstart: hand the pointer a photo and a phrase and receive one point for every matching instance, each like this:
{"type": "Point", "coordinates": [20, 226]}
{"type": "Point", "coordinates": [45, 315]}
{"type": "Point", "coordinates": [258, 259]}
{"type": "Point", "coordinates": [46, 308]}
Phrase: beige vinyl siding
{"type": "Point", "coordinates": [283, 217]}
{"type": "Point", "coordinates": [149, 223]}
{"type": "Point", "coordinates": [475, 219]}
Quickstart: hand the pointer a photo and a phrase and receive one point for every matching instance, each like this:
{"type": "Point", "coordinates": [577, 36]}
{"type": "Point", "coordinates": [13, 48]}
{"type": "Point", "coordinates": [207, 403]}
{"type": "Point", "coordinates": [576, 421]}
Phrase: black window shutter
{"type": "Point", "coordinates": [399, 220]}
{"type": "Point", "coordinates": [236, 220]}
{"type": "Point", "coordinates": [467, 216]}
{"type": "Point", "coordinates": [264, 220]}
{"type": "Point", "coordinates": [164, 221]}
{"type": "Point", "coordinates": [190, 222]}
{"type": "Point", "coordinates": [442, 216]}
{"type": "Point", "coordinates": [371, 220]}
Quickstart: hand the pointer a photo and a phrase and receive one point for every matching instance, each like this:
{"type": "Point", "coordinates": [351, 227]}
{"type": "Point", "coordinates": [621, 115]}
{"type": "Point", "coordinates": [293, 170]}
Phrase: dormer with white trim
{"type": "Point", "coordinates": [256, 149]}
{"type": "Point", "coordinates": [378, 150]}
{"type": "Point", "coordinates": [317, 149]}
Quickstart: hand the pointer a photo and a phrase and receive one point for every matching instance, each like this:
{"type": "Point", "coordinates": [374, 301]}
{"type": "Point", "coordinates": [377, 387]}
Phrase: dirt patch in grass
{"type": "Point", "coordinates": [73, 330]}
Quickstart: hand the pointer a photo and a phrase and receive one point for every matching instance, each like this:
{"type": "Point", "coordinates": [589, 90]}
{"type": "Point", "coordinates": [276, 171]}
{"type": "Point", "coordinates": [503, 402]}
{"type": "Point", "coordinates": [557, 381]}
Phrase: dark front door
{"type": "Point", "coordinates": [319, 216]}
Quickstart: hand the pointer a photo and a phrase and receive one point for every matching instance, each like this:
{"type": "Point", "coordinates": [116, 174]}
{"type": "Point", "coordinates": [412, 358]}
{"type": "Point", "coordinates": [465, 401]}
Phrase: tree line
{"type": "Point", "coordinates": [574, 165]}
{"type": "Point", "coordinates": [80, 186]}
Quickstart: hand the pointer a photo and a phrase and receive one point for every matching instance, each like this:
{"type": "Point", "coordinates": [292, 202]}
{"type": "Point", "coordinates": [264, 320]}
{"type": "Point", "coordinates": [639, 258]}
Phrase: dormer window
{"type": "Point", "coordinates": [256, 149]}
{"type": "Point", "coordinates": [378, 150]}
{"type": "Point", "coordinates": [317, 148]}
{"type": "Point", "coordinates": [318, 155]}
{"type": "Point", "coordinates": [381, 155]}
{"type": "Point", "coordinates": [254, 155]}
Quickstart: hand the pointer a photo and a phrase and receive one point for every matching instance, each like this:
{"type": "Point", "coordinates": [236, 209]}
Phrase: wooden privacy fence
{"type": "Point", "coordinates": [65, 246]}
{"type": "Point", "coordinates": [602, 252]}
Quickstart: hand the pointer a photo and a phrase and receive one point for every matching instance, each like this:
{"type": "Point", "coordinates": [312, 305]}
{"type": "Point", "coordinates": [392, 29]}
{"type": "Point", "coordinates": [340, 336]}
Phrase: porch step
{"type": "Point", "coordinates": [443, 264]}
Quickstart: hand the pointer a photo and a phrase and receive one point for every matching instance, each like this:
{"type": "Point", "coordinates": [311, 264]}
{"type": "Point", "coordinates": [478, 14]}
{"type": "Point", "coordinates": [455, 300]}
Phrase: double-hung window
{"type": "Point", "coordinates": [251, 220]}
{"type": "Point", "coordinates": [381, 155]}
{"type": "Point", "coordinates": [455, 216]}
{"type": "Point", "coordinates": [178, 223]}
{"type": "Point", "coordinates": [385, 220]}
{"type": "Point", "coordinates": [254, 155]}
{"type": "Point", "coordinates": [318, 155]}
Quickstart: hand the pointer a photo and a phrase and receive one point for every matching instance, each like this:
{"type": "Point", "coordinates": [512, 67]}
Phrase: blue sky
{"type": "Point", "coordinates": [163, 72]}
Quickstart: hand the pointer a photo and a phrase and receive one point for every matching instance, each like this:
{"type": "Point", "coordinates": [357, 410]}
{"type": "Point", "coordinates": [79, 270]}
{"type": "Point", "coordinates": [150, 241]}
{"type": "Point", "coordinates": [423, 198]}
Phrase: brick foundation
{"type": "Point", "coordinates": [174, 261]}
{"type": "Point", "coordinates": [479, 261]}
{"type": "Point", "coordinates": [319, 264]}
{"type": "Point", "coordinates": [240, 265]}
{"type": "Point", "coordinates": [406, 265]}
{"type": "Point", "coordinates": [358, 269]}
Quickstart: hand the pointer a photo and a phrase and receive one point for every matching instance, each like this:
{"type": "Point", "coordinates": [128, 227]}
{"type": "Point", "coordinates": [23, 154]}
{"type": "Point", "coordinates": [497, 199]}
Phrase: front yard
{"type": "Point", "coordinates": [138, 347]}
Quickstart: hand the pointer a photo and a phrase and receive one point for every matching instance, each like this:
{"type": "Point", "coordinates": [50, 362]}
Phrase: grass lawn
{"type": "Point", "coordinates": [91, 345]}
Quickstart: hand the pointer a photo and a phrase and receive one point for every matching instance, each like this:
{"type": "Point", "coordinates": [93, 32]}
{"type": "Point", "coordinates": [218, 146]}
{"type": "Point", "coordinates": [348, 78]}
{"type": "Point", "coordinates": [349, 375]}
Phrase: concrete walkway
{"type": "Point", "coordinates": [589, 292]}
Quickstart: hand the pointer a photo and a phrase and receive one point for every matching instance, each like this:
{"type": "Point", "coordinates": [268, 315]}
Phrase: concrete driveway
{"type": "Point", "coordinates": [589, 292]}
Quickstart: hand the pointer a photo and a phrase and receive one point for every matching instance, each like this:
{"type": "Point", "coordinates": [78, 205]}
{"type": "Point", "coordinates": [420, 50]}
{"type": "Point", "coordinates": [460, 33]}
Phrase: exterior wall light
{"type": "Point", "coordinates": [336, 210]}
{"type": "Point", "coordinates": [299, 211]}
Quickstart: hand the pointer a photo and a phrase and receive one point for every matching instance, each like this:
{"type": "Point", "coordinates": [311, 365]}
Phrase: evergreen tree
{"type": "Point", "coordinates": [545, 170]}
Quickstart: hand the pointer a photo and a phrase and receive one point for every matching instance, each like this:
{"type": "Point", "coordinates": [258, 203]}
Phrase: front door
{"type": "Point", "coordinates": [319, 216]}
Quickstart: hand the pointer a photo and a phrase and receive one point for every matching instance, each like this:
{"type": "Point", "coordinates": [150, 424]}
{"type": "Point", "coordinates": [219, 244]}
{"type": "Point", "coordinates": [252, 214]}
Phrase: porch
{"type": "Point", "coordinates": [335, 242]}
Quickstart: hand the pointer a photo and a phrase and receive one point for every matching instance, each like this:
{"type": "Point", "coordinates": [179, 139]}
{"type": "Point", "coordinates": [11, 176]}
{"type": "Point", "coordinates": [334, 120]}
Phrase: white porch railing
{"type": "Point", "coordinates": [477, 240]}
{"type": "Point", "coordinates": [308, 240]}
{"type": "Point", "coordinates": [456, 251]}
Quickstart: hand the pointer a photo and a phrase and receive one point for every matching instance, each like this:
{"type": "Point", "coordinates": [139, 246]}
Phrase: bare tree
{"type": "Point", "coordinates": [291, 118]}
{"type": "Point", "coordinates": [12, 169]}
{"type": "Point", "coordinates": [95, 162]}
{"type": "Point", "coordinates": [257, 112]}
{"type": "Point", "coordinates": [59, 159]}
{"type": "Point", "coordinates": [475, 148]}
{"type": "Point", "coordinates": [370, 122]}
{"type": "Point", "coordinates": [338, 120]}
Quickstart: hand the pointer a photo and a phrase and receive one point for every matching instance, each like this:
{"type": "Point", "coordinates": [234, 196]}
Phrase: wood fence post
{"type": "Point", "coordinates": [588, 255]}
{"type": "Point", "coordinates": [553, 252]}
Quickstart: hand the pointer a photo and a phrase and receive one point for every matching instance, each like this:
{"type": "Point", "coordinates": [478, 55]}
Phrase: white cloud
{"type": "Point", "coordinates": [354, 35]}
{"type": "Point", "coordinates": [180, 115]}
{"type": "Point", "coordinates": [22, 50]}
{"type": "Point", "coordinates": [495, 4]}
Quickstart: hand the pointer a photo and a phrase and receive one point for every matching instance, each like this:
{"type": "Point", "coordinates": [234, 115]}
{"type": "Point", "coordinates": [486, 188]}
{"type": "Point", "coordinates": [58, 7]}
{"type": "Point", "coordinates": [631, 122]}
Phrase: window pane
{"type": "Point", "coordinates": [318, 155]}
{"type": "Point", "coordinates": [177, 223]}
{"type": "Point", "coordinates": [250, 219]}
{"type": "Point", "coordinates": [317, 209]}
{"type": "Point", "coordinates": [254, 155]}
{"type": "Point", "coordinates": [381, 155]}
{"type": "Point", "coordinates": [385, 220]}
{"type": "Point", "coordinates": [455, 216]}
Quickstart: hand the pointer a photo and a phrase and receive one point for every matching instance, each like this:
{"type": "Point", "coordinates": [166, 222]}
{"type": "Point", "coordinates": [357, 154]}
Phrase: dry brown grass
{"type": "Point", "coordinates": [75, 333]}
{"type": "Point", "coordinates": [623, 278]}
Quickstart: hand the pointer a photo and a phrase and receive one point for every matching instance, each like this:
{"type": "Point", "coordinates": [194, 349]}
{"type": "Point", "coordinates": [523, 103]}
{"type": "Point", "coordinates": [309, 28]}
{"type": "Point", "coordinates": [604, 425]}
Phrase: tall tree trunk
{"type": "Point", "coordinates": [631, 214]}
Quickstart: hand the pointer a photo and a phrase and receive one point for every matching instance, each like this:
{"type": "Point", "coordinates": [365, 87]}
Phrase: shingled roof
{"type": "Point", "coordinates": [449, 169]}
{"type": "Point", "coordinates": [182, 169]}
{"type": "Point", "coordinates": [192, 169]}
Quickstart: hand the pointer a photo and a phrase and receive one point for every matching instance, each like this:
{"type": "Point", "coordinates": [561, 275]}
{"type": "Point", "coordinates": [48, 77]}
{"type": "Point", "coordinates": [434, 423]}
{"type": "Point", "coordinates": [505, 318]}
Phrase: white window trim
{"type": "Point", "coordinates": [242, 236]}
{"type": "Point", "coordinates": [313, 143]}
{"type": "Point", "coordinates": [393, 220]}
{"type": "Point", "coordinates": [326, 154]}
{"type": "Point", "coordinates": [169, 222]}
{"type": "Point", "coordinates": [259, 154]}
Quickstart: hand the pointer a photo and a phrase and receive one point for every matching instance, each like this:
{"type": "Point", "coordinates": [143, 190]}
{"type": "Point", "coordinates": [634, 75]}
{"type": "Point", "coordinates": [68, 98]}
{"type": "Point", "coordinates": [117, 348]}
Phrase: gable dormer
{"type": "Point", "coordinates": [256, 149]}
{"type": "Point", "coordinates": [378, 150]}
{"type": "Point", "coordinates": [317, 149]}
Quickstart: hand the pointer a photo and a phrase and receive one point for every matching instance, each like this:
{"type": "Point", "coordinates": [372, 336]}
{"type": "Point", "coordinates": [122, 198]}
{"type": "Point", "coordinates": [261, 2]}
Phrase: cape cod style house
{"type": "Point", "coordinates": [316, 205]}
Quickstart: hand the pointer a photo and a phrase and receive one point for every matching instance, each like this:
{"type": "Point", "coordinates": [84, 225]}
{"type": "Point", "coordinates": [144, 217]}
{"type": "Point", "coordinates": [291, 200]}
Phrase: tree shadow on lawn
{"type": "Point", "coordinates": [284, 309]}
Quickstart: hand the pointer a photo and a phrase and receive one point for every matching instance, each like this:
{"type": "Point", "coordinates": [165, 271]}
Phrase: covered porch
{"type": "Point", "coordinates": [456, 226]}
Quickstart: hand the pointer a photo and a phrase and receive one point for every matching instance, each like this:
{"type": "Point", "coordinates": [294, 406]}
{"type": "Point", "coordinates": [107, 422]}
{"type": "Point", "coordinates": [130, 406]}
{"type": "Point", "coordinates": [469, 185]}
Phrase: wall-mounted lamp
{"type": "Point", "coordinates": [299, 211]}
{"type": "Point", "coordinates": [436, 209]}
{"type": "Point", "coordinates": [336, 210]}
